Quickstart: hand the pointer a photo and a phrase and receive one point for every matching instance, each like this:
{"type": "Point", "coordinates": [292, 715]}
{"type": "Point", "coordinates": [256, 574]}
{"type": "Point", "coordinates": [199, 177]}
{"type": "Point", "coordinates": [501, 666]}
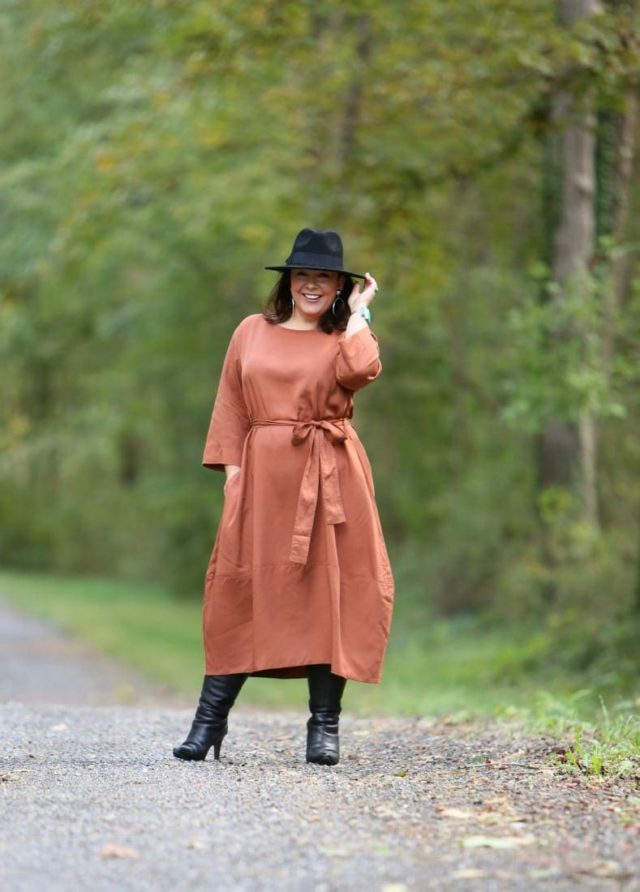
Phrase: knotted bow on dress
{"type": "Point", "coordinates": [320, 475]}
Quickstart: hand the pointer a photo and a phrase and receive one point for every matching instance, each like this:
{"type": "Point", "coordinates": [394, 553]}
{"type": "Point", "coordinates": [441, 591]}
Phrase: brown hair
{"type": "Point", "coordinates": [278, 306]}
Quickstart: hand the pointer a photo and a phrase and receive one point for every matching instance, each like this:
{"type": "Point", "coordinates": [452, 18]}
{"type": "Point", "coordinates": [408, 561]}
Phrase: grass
{"type": "Point", "coordinates": [606, 746]}
{"type": "Point", "coordinates": [443, 667]}
{"type": "Point", "coordinates": [462, 668]}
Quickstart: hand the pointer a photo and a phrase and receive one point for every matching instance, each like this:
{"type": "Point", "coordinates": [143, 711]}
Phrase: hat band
{"type": "Point", "coordinates": [314, 261]}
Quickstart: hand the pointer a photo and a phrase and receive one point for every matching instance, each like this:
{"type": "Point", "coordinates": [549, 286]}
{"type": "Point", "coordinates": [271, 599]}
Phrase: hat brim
{"type": "Point", "coordinates": [344, 272]}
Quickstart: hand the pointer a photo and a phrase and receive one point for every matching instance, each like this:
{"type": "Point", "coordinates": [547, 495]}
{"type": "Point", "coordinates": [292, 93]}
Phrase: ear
{"type": "Point", "coordinates": [340, 281]}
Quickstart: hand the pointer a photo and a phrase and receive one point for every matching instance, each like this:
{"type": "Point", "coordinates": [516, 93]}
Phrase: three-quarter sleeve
{"type": "Point", "coordinates": [229, 423]}
{"type": "Point", "coordinates": [358, 362]}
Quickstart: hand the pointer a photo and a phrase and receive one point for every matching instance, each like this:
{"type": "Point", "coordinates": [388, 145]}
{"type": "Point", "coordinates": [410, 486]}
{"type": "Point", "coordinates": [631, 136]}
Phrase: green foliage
{"type": "Point", "coordinates": [156, 155]}
{"type": "Point", "coordinates": [561, 366]}
{"type": "Point", "coordinates": [603, 745]}
{"type": "Point", "coordinates": [463, 667]}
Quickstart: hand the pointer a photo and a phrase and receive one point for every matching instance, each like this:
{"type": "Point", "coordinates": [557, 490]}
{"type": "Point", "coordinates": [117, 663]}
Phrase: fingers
{"type": "Point", "coordinates": [355, 292]}
{"type": "Point", "coordinates": [370, 282]}
{"type": "Point", "coordinates": [363, 293]}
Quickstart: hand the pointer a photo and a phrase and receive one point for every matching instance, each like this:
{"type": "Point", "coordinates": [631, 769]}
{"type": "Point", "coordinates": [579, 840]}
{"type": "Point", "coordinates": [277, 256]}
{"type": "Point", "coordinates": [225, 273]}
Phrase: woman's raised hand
{"type": "Point", "coordinates": [362, 298]}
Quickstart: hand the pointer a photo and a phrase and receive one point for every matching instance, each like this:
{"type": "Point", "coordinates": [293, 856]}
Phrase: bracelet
{"type": "Point", "coordinates": [365, 312]}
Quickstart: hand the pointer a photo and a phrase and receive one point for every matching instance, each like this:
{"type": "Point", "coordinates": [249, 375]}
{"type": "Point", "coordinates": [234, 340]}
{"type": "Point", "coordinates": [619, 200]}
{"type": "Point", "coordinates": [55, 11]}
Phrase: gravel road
{"type": "Point", "coordinates": [41, 663]}
{"type": "Point", "coordinates": [92, 796]}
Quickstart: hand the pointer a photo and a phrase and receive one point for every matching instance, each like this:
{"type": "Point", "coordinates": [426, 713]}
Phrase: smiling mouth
{"type": "Point", "coordinates": [312, 296]}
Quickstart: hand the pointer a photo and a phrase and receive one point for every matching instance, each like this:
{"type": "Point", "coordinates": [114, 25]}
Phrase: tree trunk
{"type": "Point", "coordinates": [615, 172]}
{"type": "Point", "coordinates": [567, 453]}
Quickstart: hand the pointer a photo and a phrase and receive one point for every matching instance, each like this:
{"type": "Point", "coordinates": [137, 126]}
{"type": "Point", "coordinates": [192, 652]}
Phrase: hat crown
{"type": "Point", "coordinates": [316, 249]}
{"type": "Point", "coordinates": [319, 242]}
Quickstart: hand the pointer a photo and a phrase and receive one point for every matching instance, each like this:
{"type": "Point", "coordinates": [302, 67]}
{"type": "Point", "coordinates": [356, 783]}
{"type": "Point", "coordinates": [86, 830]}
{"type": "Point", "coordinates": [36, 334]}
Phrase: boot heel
{"type": "Point", "coordinates": [216, 749]}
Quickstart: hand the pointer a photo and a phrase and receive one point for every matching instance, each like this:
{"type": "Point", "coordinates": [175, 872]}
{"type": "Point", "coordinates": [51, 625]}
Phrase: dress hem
{"type": "Point", "coordinates": [297, 671]}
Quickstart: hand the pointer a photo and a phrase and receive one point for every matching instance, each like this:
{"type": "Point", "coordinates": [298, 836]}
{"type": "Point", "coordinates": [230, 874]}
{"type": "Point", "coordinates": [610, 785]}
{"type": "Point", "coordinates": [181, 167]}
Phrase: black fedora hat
{"type": "Point", "coordinates": [316, 249]}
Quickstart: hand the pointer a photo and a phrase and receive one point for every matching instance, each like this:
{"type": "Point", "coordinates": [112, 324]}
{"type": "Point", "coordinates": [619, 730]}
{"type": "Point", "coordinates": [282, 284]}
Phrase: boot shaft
{"type": "Point", "coordinates": [325, 692]}
{"type": "Point", "coordinates": [218, 695]}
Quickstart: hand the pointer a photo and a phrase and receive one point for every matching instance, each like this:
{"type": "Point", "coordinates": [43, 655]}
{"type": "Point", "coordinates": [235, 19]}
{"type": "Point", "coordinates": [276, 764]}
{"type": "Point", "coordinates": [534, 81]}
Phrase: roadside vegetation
{"type": "Point", "coordinates": [458, 669]}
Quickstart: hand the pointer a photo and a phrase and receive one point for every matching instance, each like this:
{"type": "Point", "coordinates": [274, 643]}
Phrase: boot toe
{"type": "Point", "coordinates": [323, 758]}
{"type": "Point", "coordinates": [189, 752]}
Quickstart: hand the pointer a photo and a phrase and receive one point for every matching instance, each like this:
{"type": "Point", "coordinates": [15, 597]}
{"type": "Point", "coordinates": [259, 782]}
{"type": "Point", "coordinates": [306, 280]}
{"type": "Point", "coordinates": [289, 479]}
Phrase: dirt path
{"type": "Point", "coordinates": [92, 795]}
{"type": "Point", "coordinates": [40, 663]}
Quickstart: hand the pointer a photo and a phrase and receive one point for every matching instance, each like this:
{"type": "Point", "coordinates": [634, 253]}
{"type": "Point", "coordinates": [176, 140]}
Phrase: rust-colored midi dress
{"type": "Point", "coordinates": [299, 573]}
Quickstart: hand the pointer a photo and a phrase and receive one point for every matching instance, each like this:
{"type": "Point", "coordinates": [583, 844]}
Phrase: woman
{"type": "Point", "coordinates": [299, 582]}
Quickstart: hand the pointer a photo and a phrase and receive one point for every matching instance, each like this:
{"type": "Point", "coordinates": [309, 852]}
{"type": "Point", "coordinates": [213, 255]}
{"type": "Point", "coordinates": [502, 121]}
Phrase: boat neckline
{"type": "Point", "coordinates": [306, 330]}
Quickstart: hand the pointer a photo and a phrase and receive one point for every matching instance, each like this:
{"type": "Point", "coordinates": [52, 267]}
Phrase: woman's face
{"type": "Point", "coordinates": [314, 290]}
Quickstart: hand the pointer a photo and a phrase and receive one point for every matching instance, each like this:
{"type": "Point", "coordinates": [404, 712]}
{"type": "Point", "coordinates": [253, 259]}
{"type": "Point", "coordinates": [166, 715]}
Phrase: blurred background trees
{"type": "Point", "coordinates": [480, 159]}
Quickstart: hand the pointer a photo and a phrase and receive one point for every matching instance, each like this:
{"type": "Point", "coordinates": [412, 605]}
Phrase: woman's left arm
{"type": "Point", "coordinates": [360, 298]}
{"type": "Point", "coordinates": [358, 360]}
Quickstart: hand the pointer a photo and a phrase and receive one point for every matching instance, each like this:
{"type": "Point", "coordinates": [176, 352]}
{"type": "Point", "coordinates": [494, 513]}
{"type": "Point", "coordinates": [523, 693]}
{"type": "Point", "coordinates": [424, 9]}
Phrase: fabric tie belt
{"type": "Point", "coordinates": [320, 474]}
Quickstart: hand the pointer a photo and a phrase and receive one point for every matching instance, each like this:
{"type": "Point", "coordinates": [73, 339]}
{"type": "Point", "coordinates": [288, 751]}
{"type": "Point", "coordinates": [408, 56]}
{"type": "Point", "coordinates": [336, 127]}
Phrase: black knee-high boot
{"type": "Point", "coordinates": [325, 705]}
{"type": "Point", "coordinates": [209, 726]}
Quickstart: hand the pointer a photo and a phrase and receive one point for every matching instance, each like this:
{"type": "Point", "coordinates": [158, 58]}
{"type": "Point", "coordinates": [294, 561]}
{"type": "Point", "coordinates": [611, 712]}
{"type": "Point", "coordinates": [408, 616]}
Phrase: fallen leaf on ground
{"type": "Point", "coordinates": [493, 817]}
{"type": "Point", "coordinates": [459, 814]}
{"type": "Point", "coordinates": [605, 869]}
{"type": "Point", "coordinates": [334, 852]}
{"type": "Point", "coordinates": [492, 842]}
{"type": "Point", "coordinates": [544, 873]}
{"type": "Point", "coordinates": [468, 873]}
{"type": "Point", "coordinates": [383, 811]}
{"type": "Point", "coordinates": [113, 850]}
